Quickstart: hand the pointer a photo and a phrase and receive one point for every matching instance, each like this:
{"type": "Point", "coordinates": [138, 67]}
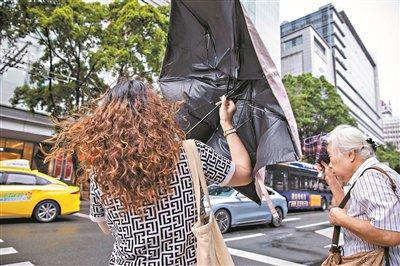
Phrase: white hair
{"type": "Point", "coordinates": [345, 138]}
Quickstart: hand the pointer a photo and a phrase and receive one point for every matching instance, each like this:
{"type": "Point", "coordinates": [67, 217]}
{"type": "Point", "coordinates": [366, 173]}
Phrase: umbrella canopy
{"type": "Point", "coordinates": [214, 49]}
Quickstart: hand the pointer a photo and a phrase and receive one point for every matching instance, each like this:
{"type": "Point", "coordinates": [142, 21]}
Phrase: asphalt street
{"type": "Point", "coordinates": [303, 239]}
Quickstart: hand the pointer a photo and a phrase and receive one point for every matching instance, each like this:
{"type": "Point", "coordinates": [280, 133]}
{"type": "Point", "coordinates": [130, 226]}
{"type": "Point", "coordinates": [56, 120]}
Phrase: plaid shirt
{"type": "Point", "coordinates": [315, 146]}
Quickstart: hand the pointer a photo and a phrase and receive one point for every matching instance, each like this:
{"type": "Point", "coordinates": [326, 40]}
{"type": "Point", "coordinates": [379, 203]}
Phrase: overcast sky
{"type": "Point", "coordinates": [377, 24]}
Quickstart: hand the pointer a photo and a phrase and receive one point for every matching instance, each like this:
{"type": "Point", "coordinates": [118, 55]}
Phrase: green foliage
{"type": "Point", "coordinates": [316, 105]}
{"type": "Point", "coordinates": [13, 24]}
{"type": "Point", "coordinates": [66, 75]}
{"type": "Point", "coordinates": [83, 40]}
{"type": "Point", "coordinates": [13, 27]}
{"type": "Point", "coordinates": [389, 154]}
{"type": "Point", "coordinates": [135, 39]}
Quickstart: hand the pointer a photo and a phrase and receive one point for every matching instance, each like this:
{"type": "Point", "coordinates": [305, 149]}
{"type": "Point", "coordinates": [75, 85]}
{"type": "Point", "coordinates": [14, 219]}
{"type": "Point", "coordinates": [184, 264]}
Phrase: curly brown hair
{"type": "Point", "coordinates": [129, 140]}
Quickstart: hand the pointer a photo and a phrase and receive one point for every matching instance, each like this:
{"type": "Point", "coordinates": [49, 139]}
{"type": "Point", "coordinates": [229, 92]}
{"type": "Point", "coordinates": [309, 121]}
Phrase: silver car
{"type": "Point", "coordinates": [232, 208]}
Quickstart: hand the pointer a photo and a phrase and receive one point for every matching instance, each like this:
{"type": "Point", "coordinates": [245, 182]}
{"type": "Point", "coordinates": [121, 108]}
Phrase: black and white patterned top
{"type": "Point", "coordinates": [164, 236]}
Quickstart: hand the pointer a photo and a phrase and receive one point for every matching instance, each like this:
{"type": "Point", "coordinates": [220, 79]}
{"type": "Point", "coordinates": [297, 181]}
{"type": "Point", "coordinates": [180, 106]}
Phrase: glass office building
{"type": "Point", "coordinates": [354, 71]}
{"type": "Point", "coordinates": [265, 17]}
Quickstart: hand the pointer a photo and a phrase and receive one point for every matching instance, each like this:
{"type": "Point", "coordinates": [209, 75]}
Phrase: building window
{"type": "Point", "coordinates": [11, 149]}
{"type": "Point", "coordinates": [16, 149]}
{"type": "Point", "coordinates": [319, 46]}
{"type": "Point", "coordinates": [62, 167]}
{"type": "Point", "coordinates": [293, 42]}
{"type": "Point", "coordinates": [28, 151]}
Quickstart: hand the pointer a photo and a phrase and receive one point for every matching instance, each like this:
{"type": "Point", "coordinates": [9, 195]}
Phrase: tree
{"type": "Point", "coordinates": [67, 74]}
{"type": "Point", "coordinates": [388, 153]}
{"type": "Point", "coordinates": [135, 39]}
{"type": "Point", "coordinates": [316, 105]}
{"type": "Point", "coordinates": [82, 40]}
{"type": "Point", "coordinates": [12, 29]}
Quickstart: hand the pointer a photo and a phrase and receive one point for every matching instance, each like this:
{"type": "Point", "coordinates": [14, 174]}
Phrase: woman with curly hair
{"type": "Point", "coordinates": [141, 189]}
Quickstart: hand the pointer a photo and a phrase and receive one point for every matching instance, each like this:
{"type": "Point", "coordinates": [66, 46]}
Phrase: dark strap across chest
{"type": "Point", "coordinates": [336, 231]}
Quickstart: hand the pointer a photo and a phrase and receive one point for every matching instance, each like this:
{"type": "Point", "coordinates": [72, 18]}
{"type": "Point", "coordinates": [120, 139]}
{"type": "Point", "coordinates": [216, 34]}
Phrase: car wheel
{"type": "Point", "coordinates": [324, 204]}
{"type": "Point", "coordinates": [46, 211]}
{"type": "Point", "coordinates": [223, 219]}
{"type": "Point", "coordinates": [277, 222]}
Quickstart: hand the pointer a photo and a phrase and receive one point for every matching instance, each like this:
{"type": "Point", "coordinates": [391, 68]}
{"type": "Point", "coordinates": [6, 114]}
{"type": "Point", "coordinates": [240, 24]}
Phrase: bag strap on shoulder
{"type": "Point", "coordinates": [196, 171]}
{"type": "Point", "coordinates": [392, 182]}
{"type": "Point", "coordinates": [336, 231]}
{"type": "Point", "coordinates": [394, 187]}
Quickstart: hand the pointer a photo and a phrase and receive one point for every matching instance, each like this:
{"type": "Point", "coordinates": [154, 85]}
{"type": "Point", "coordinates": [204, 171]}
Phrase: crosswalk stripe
{"type": "Point", "coordinates": [311, 225]}
{"type": "Point", "coordinates": [243, 237]}
{"type": "Point", "coordinates": [25, 263]}
{"type": "Point", "coordinates": [328, 232]}
{"type": "Point", "coordinates": [291, 219]}
{"type": "Point", "coordinates": [6, 251]}
{"type": "Point", "coordinates": [261, 258]}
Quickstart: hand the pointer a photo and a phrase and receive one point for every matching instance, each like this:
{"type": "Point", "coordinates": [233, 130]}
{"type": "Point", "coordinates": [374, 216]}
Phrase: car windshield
{"type": "Point", "coordinates": [220, 191]}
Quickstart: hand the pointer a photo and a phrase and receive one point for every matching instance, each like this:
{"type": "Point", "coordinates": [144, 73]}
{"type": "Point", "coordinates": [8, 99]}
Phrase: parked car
{"type": "Point", "coordinates": [29, 193]}
{"type": "Point", "coordinates": [232, 208]}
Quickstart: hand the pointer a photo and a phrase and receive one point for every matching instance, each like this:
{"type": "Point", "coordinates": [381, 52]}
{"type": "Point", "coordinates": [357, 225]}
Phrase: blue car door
{"type": "Point", "coordinates": [246, 210]}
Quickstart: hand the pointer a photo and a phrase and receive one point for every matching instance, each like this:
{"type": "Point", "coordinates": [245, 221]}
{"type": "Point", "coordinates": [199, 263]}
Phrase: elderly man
{"type": "Point", "coordinates": [371, 219]}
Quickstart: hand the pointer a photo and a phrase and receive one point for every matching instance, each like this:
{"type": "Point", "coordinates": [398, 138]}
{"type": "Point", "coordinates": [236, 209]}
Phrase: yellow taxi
{"type": "Point", "coordinates": [29, 193]}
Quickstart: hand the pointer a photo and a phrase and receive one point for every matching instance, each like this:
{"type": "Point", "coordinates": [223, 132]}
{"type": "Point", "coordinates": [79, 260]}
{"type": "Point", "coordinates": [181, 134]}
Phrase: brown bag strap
{"type": "Point", "coordinates": [336, 231]}
{"type": "Point", "coordinates": [394, 187]}
{"type": "Point", "coordinates": [196, 171]}
{"type": "Point", "coordinates": [392, 182]}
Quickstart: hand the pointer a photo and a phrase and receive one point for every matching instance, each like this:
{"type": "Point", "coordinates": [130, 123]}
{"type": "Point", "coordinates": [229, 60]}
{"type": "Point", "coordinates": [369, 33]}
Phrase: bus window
{"type": "Point", "coordinates": [307, 183]}
{"type": "Point", "coordinates": [323, 186]}
{"type": "Point", "coordinates": [278, 180]}
{"type": "Point", "coordinates": [311, 184]}
{"type": "Point", "coordinates": [293, 182]}
{"type": "Point", "coordinates": [269, 177]}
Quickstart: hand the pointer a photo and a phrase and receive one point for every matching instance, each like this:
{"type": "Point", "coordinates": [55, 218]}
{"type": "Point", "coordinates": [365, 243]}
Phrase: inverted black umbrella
{"type": "Point", "coordinates": [214, 49]}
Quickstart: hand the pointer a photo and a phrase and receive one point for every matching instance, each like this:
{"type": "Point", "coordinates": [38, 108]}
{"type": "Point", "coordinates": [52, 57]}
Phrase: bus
{"type": "Point", "coordinates": [299, 183]}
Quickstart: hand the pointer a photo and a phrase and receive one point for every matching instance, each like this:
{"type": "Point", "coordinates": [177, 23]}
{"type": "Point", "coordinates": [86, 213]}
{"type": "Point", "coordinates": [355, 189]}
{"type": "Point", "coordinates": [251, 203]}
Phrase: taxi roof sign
{"type": "Point", "coordinates": [19, 163]}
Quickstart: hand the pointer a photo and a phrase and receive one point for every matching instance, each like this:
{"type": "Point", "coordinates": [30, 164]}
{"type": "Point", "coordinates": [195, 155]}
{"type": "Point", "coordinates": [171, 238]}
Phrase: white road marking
{"type": "Point", "coordinates": [291, 219]}
{"type": "Point", "coordinates": [82, 215]}
{"type": "Point", "coordinates": [1, 241]}
{"type": "Point", "coordinates": [25, 263]}
{"type": "Point", "coordinates": [260, 258]}
{"type": "Point", "coordinates": [243, 237]}
{"type": "Point", "coordinates": [311, 225]}
{"type": "Point", "coordinates": [6, 251]}
{"type": "Point", "coordinates": [328, 232]}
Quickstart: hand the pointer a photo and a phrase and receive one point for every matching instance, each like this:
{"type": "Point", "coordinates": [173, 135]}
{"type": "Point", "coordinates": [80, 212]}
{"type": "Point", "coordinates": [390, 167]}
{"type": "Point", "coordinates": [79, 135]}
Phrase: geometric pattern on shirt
{"type": "Point", "coordinates": [164, 236]}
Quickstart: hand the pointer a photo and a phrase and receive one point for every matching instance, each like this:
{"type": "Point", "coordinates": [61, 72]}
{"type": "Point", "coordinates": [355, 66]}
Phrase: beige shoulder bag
{"type": "Point", "coordinates": [211, 248]}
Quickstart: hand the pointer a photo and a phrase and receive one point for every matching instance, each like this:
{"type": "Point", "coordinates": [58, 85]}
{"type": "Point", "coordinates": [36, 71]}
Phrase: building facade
{"type": "Point", "coordinates": [350, 67]}
{"type": "Point", "coordinates": [265, 16]}
{"type": "Point", "coordinates": [305, 51]}
{"type": "Point", "coordinates": [391, 125]}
